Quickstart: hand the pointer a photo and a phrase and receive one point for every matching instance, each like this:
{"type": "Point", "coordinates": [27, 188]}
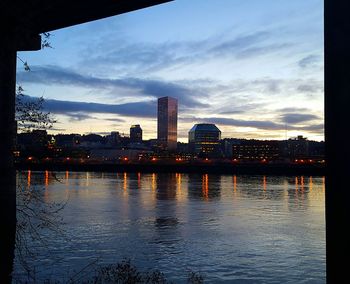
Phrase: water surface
{"type": "Point", "coordinates": [234, 229]}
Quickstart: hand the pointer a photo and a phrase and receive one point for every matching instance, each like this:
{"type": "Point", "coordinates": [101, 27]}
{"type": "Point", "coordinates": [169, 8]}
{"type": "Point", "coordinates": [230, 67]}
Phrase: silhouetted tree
{"type": "Point", "coordinates": [28, 113]}
{"type": "Point", "coordinates": [34, 214]}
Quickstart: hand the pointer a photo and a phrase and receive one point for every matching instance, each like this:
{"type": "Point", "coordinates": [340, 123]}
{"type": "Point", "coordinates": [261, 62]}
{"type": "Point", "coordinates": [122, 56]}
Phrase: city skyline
{"type": "Point", "coordinates": [253, 69]}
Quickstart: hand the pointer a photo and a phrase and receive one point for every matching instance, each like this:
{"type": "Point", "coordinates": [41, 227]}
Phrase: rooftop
{"type": "Point", "coordinates": [205, 127]}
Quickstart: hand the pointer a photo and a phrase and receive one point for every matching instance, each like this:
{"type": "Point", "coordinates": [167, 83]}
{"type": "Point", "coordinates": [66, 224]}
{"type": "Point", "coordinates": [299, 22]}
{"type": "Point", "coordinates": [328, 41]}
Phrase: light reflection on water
{"type": "Point", "coordinates": [236, 229]}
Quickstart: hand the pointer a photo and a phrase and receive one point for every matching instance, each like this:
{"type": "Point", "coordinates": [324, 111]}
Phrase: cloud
{"type": "Point", "coordinates": [309, 61]}
{"type": "Point", "coordinates": [268, 85]}
{"type": "Point", "coordinates": [114, 119]}
{"type": "Point", "coordinates": [258, 124]}
{"type": "Point", "coordinates": [83, 110]}
{"type": "Point", "coordinates": [315, 128]}
{"type": "Point", "coordinates": [262, 50]}
{"type": "Point", "coordinates": [208, 96]}
{"type": "Point", "coordinates": [141, 57]}
{"type": "Point", "coordinates": [78, 116]}
{"type": "Point", "coordinates": [240, 43]}
{"type": "Point", "coordinates": [54, 75]}
{"type": "Point", "coordinates": [293, 110]}
{"type": "Point", "coordinates": [275, 86]}
{"type": "Point", "coordinates": [235, 111]}
{"type": "Point", "coordinates": [295, 118]}
{"type": "Point", "coordinates": [57, 129]}
{"type": "Point", "coordinates": [139, 109]}
{"type": "Point", "coordinates": [239, 108]}
{"type": "Point", "coordinates": [136, 56]}
{"type": "Point", "coordinates": [102, 133]}
{"type": "Point", "coordinates": [268, 125]}
{"type": "Point", "coordinates": [310, 87]}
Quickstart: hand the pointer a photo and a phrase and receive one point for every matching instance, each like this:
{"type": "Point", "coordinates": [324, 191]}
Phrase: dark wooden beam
{"type": "Point", "coordinates": [337, 127]}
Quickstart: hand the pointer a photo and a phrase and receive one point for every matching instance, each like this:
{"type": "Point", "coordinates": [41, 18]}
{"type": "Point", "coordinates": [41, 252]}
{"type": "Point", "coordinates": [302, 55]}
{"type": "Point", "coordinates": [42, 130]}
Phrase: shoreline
{"type": "Point", "coordinates": [241, 169]}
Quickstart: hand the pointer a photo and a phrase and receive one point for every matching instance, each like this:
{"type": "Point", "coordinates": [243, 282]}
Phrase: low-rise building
{"type": "Point", "coordinates": [256, 150]}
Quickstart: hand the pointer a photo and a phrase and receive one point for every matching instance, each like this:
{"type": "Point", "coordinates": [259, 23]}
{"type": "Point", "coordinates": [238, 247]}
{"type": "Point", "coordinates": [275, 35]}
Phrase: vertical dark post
{"type": "Point", "coordinates": [337, 126]}
{"type": "Point", "coordinates": [7, 173]}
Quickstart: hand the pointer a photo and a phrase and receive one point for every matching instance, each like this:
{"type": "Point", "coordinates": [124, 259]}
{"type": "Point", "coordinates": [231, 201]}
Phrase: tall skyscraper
{"type": "Point", "coordinates": [135, 134]}
{"type": "Point", "coordinates": [167, 123]}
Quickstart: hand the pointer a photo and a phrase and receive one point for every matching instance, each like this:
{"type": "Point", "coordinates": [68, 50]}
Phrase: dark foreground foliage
{"type": "Point", "coordinates": [121, 273]}
{"type": "Point", "coordinates": [127, 273]}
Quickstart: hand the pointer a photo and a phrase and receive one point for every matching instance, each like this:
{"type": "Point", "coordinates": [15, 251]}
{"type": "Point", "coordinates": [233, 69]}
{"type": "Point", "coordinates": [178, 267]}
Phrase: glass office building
{"type": "Point", "coordinates": [204, 139]}
{"type": "Point", "coordinates": [167, 123]}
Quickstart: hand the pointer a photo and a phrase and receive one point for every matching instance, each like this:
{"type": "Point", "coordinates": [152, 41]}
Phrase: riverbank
{"type": "Point", "coordinates": [220, 168]}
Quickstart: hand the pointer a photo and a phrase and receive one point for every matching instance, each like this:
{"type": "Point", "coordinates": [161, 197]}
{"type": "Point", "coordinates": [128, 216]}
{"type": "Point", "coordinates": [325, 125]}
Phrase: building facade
{"type": "Point", "coordinates": [298, 147]}
{"type": "Point", "coordinates": [204, 139]}
{"type": "Point", "coordinates": [167, 123]}
{"type": "Point", "coordinates": [256, 150]}
{"type": "Point", "coordinates": [135, 134]}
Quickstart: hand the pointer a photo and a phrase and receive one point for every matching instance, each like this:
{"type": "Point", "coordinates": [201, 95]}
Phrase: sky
{"type": "Point", "coordinates": [252, 67]}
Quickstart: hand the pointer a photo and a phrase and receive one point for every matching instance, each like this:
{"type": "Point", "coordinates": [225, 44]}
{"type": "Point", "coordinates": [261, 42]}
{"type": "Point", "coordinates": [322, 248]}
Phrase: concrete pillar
{"type": "Point", "coordinates": [337, 127]}
{"type": "Point", "coordinates": [7, 173]}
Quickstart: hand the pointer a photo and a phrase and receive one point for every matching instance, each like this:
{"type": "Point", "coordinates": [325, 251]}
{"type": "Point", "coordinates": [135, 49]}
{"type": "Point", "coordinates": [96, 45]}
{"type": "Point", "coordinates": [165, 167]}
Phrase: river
{"type": "Point", "coordinates": [230, 229]}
